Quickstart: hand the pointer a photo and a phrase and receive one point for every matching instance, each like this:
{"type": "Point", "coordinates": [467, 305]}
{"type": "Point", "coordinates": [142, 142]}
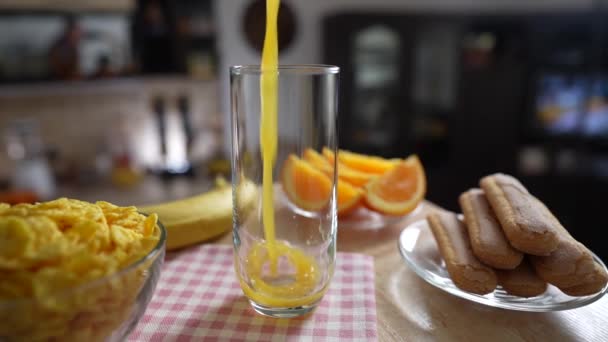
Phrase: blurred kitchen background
{"type": "Point", "coordinates": [128, 101]}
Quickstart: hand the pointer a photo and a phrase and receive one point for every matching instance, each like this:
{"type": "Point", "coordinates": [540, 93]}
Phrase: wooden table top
{"type": "Point", "coordinates": [409, 309]}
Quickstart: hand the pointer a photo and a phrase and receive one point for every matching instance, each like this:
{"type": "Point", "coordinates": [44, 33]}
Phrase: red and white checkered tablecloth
{"type": "Point", "coordinates": [198, 298]}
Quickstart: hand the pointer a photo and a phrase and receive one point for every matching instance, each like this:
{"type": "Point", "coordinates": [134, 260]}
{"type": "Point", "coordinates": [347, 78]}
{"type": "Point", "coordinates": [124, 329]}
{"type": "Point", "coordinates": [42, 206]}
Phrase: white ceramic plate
{"type": "Point", "coordinates": [364, 218]}
{"type": "Point", "coordinates": [419, 250]}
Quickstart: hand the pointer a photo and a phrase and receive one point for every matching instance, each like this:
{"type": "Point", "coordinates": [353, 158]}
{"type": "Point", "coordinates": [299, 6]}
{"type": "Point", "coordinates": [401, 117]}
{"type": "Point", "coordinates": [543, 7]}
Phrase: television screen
{"type": "Point", "coordinates": [595, 122]}
{"type": "Point", "coordinates": [573, 104]}
{"type": "Point", "coordinates": [561, 103]}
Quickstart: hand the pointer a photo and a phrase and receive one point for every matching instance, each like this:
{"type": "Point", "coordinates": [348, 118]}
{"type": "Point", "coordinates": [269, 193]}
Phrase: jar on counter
{"type": "Point", "coordinates": [30, 167]}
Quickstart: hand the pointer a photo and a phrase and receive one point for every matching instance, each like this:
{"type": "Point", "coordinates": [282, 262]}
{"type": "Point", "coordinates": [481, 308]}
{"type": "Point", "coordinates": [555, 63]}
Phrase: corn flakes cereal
{"type": "Point", "coordinates": [48, 250]}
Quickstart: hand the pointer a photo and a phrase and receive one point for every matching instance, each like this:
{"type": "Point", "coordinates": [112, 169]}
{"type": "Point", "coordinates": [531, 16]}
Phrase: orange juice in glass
{"type": "Point", "coordinates": [285, 242]}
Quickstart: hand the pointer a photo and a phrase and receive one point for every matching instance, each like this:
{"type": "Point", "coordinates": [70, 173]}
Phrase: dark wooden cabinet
{"type": "Point", "coordinates": [463, 94]}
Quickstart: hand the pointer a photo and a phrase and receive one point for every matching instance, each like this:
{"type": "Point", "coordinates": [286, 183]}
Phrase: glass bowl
{"type": "Point", "coordinates": [419, 250]}
{"type": "Point", "coordinates": [106, 309]}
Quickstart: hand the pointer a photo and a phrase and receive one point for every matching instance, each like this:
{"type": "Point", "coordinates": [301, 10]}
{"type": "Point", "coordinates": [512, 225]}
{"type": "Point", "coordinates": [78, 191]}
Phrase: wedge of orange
{"type": "Point", "coordinates": [306, 186]}
{"type": "Point", "coordinates": [317, 160]}
{"type": "Point", "coordinates": [360, 162]}
{"type": "Point", "coordinates": [349, 198]}
{"type": "Point", "coordinates": [329, 154]}
{"type": "Point", "coordinates": [354, 177]}
{"type": "Point", "coordinates": [399, 190]}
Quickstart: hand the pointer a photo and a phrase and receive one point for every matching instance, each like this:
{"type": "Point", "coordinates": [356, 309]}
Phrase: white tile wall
{"type": "Point", "coordinates": [75, 118]}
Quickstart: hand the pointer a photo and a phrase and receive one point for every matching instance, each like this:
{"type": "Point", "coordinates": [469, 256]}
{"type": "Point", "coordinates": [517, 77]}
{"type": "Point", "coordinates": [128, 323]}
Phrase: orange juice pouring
{"type": "Point", "coordinates": [284, 253]}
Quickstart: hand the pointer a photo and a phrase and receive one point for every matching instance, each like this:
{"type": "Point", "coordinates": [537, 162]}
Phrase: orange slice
{"type": "Point", "coordinates": [317, 160]}
{"type": "Point", "coordinates": [354, 177]}
{"type": "Point", "coordinates": [329, 154]}
{"type": "Point", "coordinates": [306, 186]}
{"type": "Point", "coordinates": [399, 190]}
{"type": "Point", "coordinates": [361, 162]}
{"type": "Point", "coordinates": [349, 196]}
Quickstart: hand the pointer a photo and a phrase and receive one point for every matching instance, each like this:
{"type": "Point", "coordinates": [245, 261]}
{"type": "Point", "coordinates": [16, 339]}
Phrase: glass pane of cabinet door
{"type": "Point", "coordinates": [376, 54]}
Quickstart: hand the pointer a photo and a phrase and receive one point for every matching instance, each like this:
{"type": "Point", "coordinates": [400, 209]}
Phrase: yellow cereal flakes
{"type": "Point", "coordinates": [62, 243]}
{"type": "Point", "coordinates": [48, 249]}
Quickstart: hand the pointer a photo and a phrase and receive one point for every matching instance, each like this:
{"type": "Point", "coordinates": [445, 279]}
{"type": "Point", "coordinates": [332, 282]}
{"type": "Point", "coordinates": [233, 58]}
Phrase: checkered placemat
{"type": "Point", "coordinates": [198, 299]}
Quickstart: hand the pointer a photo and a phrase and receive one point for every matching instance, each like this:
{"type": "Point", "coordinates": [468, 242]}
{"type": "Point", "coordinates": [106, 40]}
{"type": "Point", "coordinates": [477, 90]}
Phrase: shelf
{"type": "Point", "coordinates": [120, 85]}
{"type": "Point", "coordinates": [69, 5]}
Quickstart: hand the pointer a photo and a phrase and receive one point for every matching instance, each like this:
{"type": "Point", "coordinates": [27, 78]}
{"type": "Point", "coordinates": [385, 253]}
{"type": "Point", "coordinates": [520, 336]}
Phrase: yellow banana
{"type": "Point", "coordinates": [199, 218]}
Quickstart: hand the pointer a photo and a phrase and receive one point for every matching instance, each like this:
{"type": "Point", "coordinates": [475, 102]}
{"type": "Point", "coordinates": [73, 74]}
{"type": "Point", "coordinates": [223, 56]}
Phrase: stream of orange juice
{"type": "Point", "coordinates": [269, 288]}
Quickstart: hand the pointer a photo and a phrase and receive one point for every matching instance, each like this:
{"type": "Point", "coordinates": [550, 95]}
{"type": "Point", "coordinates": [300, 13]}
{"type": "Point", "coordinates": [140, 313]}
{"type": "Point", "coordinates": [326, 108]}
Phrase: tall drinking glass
{"type": "Point", "coordinates": [285, 271]}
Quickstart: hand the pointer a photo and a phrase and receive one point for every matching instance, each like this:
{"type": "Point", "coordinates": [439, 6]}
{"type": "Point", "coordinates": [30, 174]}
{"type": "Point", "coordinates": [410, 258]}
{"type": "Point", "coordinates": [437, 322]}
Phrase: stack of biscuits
{"type": "Point", "coordinates": [510, 238]}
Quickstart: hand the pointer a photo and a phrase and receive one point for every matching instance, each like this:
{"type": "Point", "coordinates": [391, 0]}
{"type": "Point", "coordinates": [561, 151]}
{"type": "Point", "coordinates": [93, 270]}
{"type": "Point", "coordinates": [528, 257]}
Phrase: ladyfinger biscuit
{"type": "Point", "coordinates": [466, 271]}
{"type": "Point", "coordinates": [569, 265]}
{"type": "Point", "coordinates": [529, 227]}
{"type": "Point", "coordinates": [593, 283]}
{"type": "Point", "coordinates": [521, 281]}
{"type": "Point", "coordinates": [488, 240]}
{"type": "Point", "coordinates": [566, 266]}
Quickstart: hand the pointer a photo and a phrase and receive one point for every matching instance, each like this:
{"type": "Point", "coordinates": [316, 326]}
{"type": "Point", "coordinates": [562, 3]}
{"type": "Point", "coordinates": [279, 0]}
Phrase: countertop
{"type": "Point", "coordinates": [150, 190]}
{"type": "Point", "coordinates": [409, 309]}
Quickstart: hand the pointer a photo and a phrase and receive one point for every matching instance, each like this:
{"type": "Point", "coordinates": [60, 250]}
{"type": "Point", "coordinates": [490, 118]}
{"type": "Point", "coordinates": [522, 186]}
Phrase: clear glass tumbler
{"type": "Point", "coordinates": [285, 274]}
